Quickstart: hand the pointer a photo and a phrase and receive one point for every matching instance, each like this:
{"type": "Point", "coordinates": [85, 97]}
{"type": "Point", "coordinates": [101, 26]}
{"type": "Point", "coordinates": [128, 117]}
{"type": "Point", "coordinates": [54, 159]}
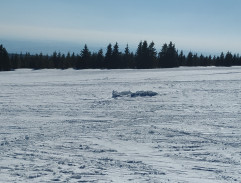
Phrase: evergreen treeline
{"type": "Point", "coordinates": [145, 57]}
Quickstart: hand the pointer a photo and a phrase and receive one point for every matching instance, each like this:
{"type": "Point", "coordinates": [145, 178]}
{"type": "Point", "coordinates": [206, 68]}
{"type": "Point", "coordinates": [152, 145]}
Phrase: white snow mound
{"type": "Point", "coordinates": [116, 94]}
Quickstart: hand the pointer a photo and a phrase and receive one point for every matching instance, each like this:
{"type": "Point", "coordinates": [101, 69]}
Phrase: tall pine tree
{"type": "Point", "coordinates": [152, 56]}
{"type": "Point", "coordinates": [108, 57]}
{"type": "Point", "coordinates": [85, 58]}
{"type": "Point", "coordinates": [116, 57]}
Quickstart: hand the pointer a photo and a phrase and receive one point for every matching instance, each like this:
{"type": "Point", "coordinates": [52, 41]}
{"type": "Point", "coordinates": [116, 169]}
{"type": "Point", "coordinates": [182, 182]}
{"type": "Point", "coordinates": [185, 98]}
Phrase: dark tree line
{"type": "Point", "coordinates": [145, 57]}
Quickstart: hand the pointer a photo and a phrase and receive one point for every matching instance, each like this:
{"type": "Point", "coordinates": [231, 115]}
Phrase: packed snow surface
{"type": "Point", "coordinates": [64, 126]}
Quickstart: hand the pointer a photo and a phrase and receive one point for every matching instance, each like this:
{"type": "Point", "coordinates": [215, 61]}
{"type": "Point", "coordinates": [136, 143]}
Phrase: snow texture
{"type": "Point", "coordinates": [64, 126]}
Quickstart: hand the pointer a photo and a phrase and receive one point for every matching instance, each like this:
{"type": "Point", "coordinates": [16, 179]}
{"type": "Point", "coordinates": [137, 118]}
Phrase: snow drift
{"type": "Point", "coordinates": [116, 94]}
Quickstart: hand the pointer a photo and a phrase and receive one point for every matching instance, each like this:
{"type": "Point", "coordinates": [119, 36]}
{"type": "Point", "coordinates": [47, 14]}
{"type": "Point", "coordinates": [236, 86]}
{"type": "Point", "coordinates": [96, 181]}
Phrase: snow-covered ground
{"type": "Point", "coordinates": [64, 126]}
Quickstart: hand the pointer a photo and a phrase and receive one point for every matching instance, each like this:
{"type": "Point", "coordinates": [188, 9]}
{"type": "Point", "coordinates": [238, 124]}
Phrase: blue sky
{"type": "Point", "coordinates": [208, 26]}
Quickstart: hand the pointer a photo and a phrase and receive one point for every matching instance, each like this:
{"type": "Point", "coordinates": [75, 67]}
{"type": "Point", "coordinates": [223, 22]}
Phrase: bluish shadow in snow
{"type": "Point", "coordinates": [116, 94]}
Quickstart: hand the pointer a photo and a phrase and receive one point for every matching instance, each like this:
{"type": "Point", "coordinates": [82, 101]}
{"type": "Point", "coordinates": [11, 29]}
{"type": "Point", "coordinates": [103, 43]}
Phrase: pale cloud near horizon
{"type": "Point", "coordinates": [65, 34]}
{"type": "Point", "coordinates": [101, 38]}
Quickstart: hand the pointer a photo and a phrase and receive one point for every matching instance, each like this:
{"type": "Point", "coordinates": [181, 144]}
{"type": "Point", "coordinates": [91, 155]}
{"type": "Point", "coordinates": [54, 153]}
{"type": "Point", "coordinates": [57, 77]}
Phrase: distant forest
{"type": "Point", "coordinates": [145, 57]}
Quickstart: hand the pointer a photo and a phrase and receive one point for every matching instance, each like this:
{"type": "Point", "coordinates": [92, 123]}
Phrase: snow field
{"type": "Point", "coordinates": [64, 126]}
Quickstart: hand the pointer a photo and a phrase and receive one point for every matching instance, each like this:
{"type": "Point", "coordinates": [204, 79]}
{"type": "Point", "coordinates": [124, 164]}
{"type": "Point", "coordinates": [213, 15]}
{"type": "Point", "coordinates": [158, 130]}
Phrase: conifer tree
{"type": "Point", "coordinates": [210, 60]}
{"type": "Point", "coordinates": [168, 57]}
{"type": "Point", "coordinates": [202, 61]}
{"type": "Point", "coordinates": [67, 61]}
{"type": "Point", "coordinates": [235, 59]}
{"type": "Point", "coordinates": [4, 59]}
{"type": "Point", "coordinates": [195, 60]}
{"type": "Point", "coordinates": [190, 59]}
{"type": "Point", "coordinates": [181, 59]}
{"type": "Point", "coordinates": [85, 58]}
{"type": "Point", "coordinates": [228, 59]}
{"type": "Point", "coordinates": [162, 56]}
{"type": "Point", "coordinates": [127, 58]}
{"type": "Point", "coordinates": [152, 54]}
{"type": "Point", "coordinates": [108, 57]}
{"type": "Point", "coordinates": [116, 57]}
{"type": "Point", "coordinates": [145, 56]}
{"type": "Point", "coordinates": [15, 61]}
{"type": "Point", "coordinates": [222, 60]}
{"type": "Point", "coordinates": [100, 59]}
{"type": "Point", "coordinates": [73, 60]}
{"type": "Point", "coordinates": [172, 55]}
{"type": "Point", "coordinates": [55, 60]}
{"type": "Point", "coordinates": [142, 56]}
{"type": "Point", "coordinates": [63, 62]}
{"type": "Point", "coordinates": [138, 55]}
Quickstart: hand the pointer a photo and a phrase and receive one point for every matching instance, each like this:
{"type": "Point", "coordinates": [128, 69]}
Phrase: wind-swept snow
{"type": "Point", "coordinates": [64, 126]}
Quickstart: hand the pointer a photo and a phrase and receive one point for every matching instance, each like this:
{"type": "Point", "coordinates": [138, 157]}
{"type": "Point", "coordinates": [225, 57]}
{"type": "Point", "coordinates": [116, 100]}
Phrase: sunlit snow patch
{"type": "Point", "coordinates": [116, 94]}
